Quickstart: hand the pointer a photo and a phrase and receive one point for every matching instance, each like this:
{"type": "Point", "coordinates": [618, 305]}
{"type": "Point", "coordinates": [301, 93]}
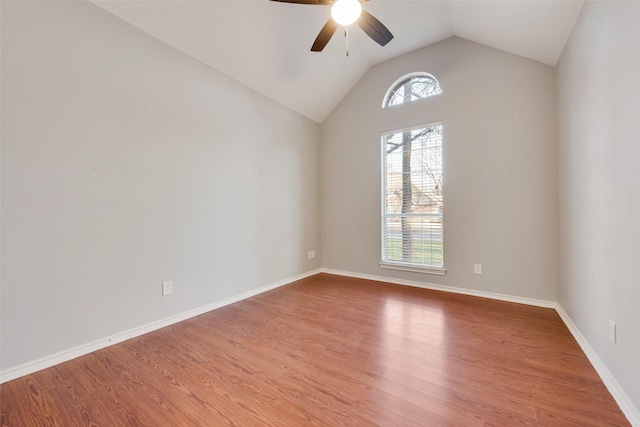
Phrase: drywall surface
{"type": "Point", "coordinates": [126, 163]}
{"type": "Point", "coordinates": [499, 147]}
{"type": "Point", "coordinates": [599, 184]}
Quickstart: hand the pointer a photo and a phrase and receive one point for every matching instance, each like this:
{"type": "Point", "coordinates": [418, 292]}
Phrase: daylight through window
{"type": "Point", "coordinates": [415, 86]}
{"type": "Point", "coordinates": [412, 197]}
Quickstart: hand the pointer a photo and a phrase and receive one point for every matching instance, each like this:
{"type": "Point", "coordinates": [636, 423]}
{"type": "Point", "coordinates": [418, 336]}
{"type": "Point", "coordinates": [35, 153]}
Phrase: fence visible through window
{"type": "Point", "coordinates": [412, 214]}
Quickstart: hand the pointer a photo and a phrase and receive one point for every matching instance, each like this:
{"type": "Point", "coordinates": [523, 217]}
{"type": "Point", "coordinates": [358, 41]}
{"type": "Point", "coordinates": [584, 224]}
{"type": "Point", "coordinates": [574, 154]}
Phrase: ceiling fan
{"type": "Point", "coordinates": [346, 12]}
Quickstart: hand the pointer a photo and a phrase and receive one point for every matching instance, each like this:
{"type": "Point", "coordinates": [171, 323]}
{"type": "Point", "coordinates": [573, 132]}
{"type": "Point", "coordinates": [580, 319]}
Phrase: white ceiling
{"type": "Point", "coordinates": [265, 44]}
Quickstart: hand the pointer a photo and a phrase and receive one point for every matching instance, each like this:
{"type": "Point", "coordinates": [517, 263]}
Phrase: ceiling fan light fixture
{"type": "Point", "coordinates": [346, 12]}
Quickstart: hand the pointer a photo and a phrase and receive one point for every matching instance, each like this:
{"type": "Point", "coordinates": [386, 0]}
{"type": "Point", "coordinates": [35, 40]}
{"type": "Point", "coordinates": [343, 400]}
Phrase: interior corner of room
{"type": "Point", "coordinates": [141, 186]}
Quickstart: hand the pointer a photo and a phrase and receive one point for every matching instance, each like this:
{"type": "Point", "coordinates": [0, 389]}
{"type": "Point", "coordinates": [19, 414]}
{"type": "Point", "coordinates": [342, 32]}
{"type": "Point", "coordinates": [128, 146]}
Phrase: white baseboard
{"type": "Point", "coordinates": [81, 350]}
{"type": "Point", "coordinates": [463, 291]}
{"type": "Point", "coordinates": [626, 405]}
{"type": "Point", "coordinates": [621, 398]}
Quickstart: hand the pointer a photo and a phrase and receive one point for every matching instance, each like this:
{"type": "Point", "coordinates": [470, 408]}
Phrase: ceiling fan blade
{"type": "Point", "coordinates": [316, 2]}
{"type": "Point", "coordinates": [374, 28]}
{"type": "Point", "coordinates": [324, 36]}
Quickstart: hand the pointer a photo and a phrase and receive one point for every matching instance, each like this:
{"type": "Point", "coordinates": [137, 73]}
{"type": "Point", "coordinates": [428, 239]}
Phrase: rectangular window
{"type": "Point", "coordinates": [412, 233]}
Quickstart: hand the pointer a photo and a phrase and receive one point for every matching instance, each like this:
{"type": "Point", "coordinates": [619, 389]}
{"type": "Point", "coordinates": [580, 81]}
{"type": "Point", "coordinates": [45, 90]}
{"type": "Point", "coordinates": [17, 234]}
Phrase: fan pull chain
{"type": "Point", "coordinates": [346, 36]}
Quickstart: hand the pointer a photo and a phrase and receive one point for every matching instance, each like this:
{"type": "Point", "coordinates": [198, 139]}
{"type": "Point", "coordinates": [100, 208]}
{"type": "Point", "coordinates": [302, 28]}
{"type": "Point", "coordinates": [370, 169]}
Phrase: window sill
{"type": "Point", "coordinates": [412, 267]}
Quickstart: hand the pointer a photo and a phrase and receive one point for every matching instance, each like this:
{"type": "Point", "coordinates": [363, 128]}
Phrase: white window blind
{"type": "Point", "coordinates": [412, 204]}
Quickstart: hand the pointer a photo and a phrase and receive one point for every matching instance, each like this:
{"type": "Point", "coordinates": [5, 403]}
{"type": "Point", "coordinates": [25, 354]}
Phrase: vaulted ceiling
{"type": "Point", "coordinates": [265, 44]}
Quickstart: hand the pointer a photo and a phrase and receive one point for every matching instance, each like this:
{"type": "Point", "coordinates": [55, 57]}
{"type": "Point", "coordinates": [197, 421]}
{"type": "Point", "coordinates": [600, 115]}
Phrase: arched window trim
{"type": "Point", "coordinates": [404, 78]}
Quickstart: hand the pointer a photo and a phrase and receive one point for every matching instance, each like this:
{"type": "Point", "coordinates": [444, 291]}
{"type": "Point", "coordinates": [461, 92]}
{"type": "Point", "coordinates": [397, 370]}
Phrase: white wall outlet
{"type": "Point", "coordinates": [311, 254]}
{"type": "Point", "coordinates": [612, 331]}
{"type": "Point", "coordinates": [167, 288]}
{"type": "Point", "coordinates": [477, 268]}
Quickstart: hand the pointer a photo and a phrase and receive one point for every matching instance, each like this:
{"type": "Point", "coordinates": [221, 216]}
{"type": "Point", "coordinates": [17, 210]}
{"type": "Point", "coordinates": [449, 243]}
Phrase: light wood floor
{"type": "Point", "coordinates": [330, 351]}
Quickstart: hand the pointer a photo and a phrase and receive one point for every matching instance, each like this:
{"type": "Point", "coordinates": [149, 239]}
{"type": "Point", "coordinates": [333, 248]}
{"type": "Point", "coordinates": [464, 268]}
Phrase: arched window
{"type": "Point", "coordinates": [411, 87]}
{"type": "Point", "coordinates": [412, 172]}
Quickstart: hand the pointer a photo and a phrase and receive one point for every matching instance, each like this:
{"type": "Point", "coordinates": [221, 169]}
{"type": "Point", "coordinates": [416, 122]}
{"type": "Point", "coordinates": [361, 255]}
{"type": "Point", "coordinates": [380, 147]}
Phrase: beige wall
{"type": "Point", "coordinates": [126, 163]}
{"type": "Point", "coordinates": [599, 184]}
{"type": "Point", "coordinates": [499, 118]}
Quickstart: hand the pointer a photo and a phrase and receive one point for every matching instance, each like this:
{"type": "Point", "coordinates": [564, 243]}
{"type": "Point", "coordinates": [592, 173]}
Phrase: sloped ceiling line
{"type": "Point", "coordinates": [265, 45]}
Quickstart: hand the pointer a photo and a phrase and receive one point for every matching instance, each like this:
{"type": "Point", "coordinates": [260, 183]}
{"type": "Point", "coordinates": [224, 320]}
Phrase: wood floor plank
{"type": "Point", "coordinates": [220, 375]}
{"type": "Point", "coordinates": [330, 351]}
{"type": "Point", "coordinates": [459, 391]}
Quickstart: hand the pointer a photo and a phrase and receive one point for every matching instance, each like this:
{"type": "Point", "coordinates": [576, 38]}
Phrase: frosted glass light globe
{"type": "Point", "coordinates": [346, 12]}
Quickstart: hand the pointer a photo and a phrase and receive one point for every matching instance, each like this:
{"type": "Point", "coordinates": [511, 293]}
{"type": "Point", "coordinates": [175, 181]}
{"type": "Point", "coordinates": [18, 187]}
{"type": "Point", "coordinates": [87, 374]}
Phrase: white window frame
{"type": "Point", "coordinates": [401, 265]}
{"type": "Point", "coordinates": [394, 86]}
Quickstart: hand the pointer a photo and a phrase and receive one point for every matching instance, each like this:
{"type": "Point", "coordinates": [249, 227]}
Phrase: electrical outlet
{"type": "Point", "coordinates": [311, 254]}
{"type": "Point", "coordinates": [612, 331]}
{"type": "Point", "coordinates": [477, 268]}
{"type": "Point", "coordinates": [167, 288]}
